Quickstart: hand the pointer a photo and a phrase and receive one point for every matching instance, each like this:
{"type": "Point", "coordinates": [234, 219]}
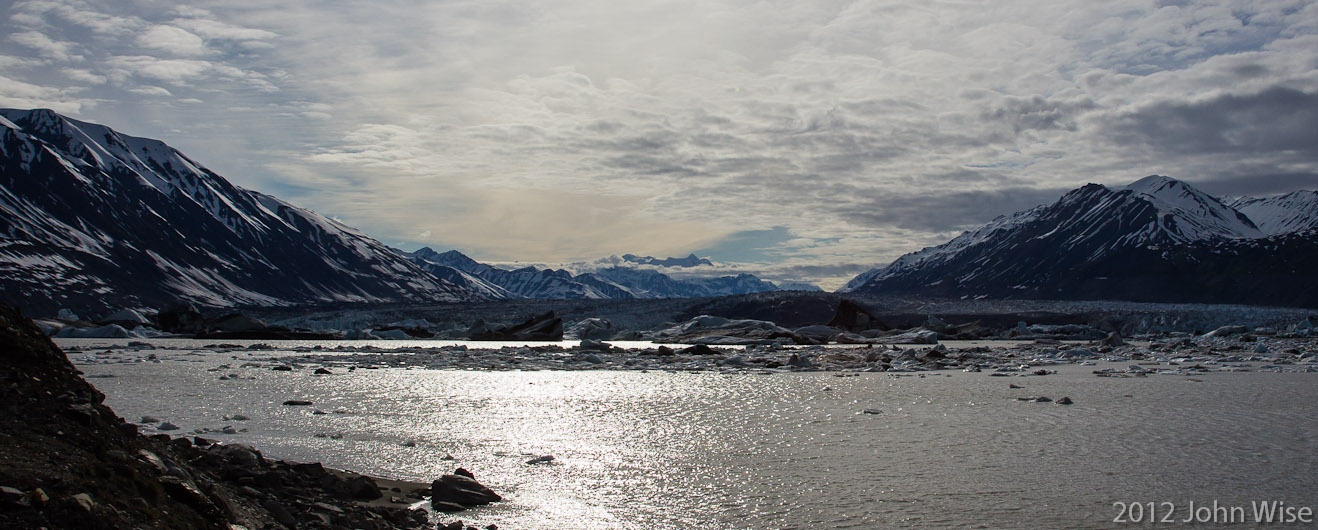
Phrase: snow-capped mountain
{"type": "Point", "coordinates": [526, 282]}
{"type": "Point", "coordinates": [1292, 212]}
{"type": "Point", "coordinates": [1139, 242]}
{"type": "Point", "coordinates": [97, 220]}
{"type": "Point", "coordinates": [607, 282]}
{"type": "Point", "coordinates": [689, 261]}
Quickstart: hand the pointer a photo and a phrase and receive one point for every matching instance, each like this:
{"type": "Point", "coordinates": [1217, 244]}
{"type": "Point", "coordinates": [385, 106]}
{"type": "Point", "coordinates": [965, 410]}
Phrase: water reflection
{"type": "Point", "coordinates": [676, 450]}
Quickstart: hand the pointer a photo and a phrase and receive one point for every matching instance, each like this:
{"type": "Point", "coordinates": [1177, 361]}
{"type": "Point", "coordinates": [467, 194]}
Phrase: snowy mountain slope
{"type": "Point", "coordinates": [1292, 212]}
{"type": "Point", "coordinates": [527, 282]}
{"type": "Point", "coordinates": [97, 220]}
{"type": "Point", "coordinates": [1087, 244]}
{"type": "Point", "coordinates": [1197, 215]}
{"type": "Point", "coordinates": [607, 282]}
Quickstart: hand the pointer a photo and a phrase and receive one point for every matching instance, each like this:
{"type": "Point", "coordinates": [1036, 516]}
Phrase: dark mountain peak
{"type": "Point", "coordinates": [102, 221]}
{"type": "Point", "coordinates": [1146, 241]}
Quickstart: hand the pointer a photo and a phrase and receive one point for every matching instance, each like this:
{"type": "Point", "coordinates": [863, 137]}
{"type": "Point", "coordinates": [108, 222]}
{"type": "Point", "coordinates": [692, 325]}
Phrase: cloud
{"type": "Point", "coordinates": [1275, 121]}
{"type": "Point", "coordinates": [851, 131]}
{"type": "Point", "coordinates": [57, 50]}
{"type": "Point", "coordinates": [173, 40]}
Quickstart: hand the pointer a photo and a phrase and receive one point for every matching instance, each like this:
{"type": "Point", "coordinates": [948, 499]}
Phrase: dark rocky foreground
{"type": "Point", "coordinates": [67, 461]}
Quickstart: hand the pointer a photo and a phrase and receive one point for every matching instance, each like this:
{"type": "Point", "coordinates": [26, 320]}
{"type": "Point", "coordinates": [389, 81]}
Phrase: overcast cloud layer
{"type": "Point", "coordinates": [802, 140]}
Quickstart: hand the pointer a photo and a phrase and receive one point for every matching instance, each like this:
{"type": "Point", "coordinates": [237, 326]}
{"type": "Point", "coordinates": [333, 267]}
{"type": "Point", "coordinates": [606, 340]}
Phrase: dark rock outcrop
{"type": "Point", "coordinates": [70, 463]}
{"type": "Point", "coordinates": [459, 491]}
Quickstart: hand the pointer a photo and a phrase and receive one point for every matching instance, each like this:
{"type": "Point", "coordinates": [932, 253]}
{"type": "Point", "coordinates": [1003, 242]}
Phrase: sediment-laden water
{"type": "Point", "coordinates": [747, 450]}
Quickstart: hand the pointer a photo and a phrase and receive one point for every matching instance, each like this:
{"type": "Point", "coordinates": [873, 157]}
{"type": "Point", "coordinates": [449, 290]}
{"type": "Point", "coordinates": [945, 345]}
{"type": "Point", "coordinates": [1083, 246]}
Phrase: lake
{"type": "Point", "coordinates": [665, 450]}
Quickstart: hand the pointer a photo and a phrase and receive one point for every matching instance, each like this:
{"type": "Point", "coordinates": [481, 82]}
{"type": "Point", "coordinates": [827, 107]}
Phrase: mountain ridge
{"type": "Point", "coordinates": [1094, 237]}
{"type": "Point", "coordinates": [99, 220]}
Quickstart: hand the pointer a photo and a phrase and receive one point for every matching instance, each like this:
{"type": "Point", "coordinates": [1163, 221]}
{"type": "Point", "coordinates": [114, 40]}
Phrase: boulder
{"type": "Point", "coordinates": [362, 487]}
{"type": "Point", "coordinates": [1113, 340]}
{"type": "Point", "coordinates": [461, 490]}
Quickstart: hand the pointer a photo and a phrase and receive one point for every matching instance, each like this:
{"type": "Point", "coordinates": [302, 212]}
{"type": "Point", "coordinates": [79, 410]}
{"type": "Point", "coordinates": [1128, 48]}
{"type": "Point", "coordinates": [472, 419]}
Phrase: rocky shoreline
{"type": "Point", "coordinates": [70, 462]}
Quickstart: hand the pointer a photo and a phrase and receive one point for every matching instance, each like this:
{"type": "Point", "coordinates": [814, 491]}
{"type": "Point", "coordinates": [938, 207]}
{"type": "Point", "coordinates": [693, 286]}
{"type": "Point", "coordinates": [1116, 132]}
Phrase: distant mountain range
{"type": "Point", "coordinates": [689, 261]}
{"type": "Point", "coordinates": [612, 282]}
{"type": "Point", "coordinates": [97, 220]}
{"type": "Point", "coordinates": [1158, 239]}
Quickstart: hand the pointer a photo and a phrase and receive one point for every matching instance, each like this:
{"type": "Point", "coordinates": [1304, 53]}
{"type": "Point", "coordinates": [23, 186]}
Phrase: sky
{"type": "Point", "coordinates": [796, 140]}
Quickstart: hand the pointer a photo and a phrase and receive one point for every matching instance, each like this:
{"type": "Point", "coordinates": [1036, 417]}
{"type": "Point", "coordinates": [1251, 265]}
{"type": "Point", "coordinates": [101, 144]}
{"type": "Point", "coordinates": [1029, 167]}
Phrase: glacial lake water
{"type": "Point", "coordinates": [659, 450]}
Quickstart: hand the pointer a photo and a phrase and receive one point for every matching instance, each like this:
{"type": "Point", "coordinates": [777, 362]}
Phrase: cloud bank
{"type": "Point", "coordinates": [563, 131]}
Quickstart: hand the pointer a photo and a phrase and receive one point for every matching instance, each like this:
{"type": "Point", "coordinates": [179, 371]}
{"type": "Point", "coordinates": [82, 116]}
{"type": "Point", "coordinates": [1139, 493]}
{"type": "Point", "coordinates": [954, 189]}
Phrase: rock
{"type": "Point", "coordinates": [1261, 348]}
{"type": "Point", "coordinates": [541, 460]}
{"type": "Point", "coordinates": [12, 497]}
{"type": "Point", "coordinates": [850, 316]}
{"type": "Point", "coordinates": [297, 403]}
{"type": "Point", "coordinates": [1113, 340]}
{"type": "Point", "coordinates": [592, 359]}
{"type": "Point", "coordinates": [280, 513]}
{"type": "Point", "coordinates": [84, 501]}
{"type": "Point", "coordinates": [167, 426]}
{"type": "Point", "coordinates": [148, 419]}
{"type": "Point", "coordinates": [38, 497]}
{"type": "Point", "coordinates": [362, 487]}
{"type": "Point", "coordinates": [735, 360]}
{"type": "Point", "coordinates": [799, 361]}
{"type": "Point", "coordinates": [461, 490]}
{"type": "Point", "coordinates": [239, 455]}
{"type": "Point", "coordinates": [283, 368]}
{"type": "Point", "coordinates": [871, 411]}
{"type": "Point", "coordinates": [699, 349]}
{"type": "Point", "coordinates": [153, 460]}
{"type": "Point", "coordinates": [67, 314]}
{"type": "Point", "coordinates": [594, 345]}
{"type": "Point", "coordinates": [323, 371]}
{"type": "Point", "coordinates": [1065, 401]}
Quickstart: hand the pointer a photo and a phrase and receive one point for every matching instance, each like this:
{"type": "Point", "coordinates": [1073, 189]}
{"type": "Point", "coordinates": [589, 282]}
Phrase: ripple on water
{"type": "Point", "coordinates": [677, 450]}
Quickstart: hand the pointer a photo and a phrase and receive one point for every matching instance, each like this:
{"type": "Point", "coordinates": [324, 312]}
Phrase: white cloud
{"type": "Point", "coordinates": [84, 76]}
{"type": "Point", "coordinates": [869, 128]}
{"type": "Point", "coordinates": [58, 50]}
{"type": "Point", "coordinates": [173, 40]}
{"type": "Point", "coordinates": [147, 90]}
